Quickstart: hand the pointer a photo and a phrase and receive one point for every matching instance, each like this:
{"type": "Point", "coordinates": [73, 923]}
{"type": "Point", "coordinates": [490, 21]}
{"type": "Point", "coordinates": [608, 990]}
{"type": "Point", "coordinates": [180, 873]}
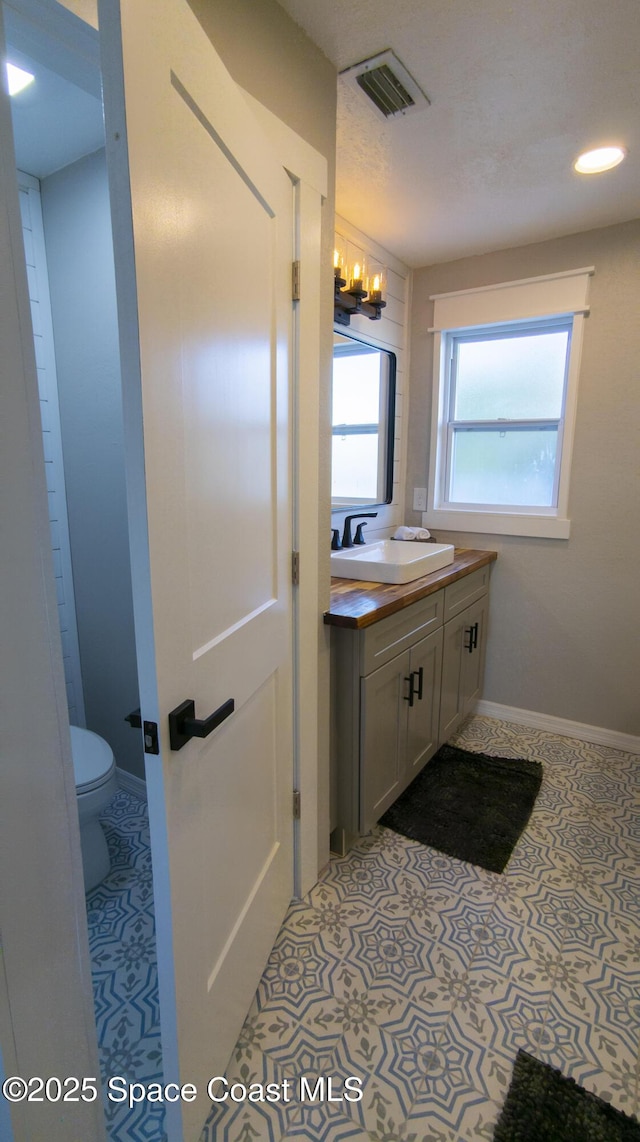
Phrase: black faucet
{"type": "Point", "coordinates": [347, 541]}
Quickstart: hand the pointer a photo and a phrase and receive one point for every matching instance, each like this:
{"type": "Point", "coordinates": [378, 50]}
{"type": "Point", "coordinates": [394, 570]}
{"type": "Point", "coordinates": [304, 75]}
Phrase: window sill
{"type": "Point", "coordinates": [497, 523]}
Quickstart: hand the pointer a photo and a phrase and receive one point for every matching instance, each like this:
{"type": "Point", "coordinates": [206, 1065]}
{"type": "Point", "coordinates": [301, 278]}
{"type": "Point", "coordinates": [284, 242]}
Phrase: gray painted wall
{"type": "Point", "coordinates": [271, 56]}
{"type": "Point", "coordinates": [77, 226]}
{"type": "Point", "coordinates": [563, 634]}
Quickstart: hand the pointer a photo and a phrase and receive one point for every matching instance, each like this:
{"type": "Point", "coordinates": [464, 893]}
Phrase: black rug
{"type": "Point", "coordinates": [544, 1106]}
{"type": "Point", "coordinates": [468, 805]}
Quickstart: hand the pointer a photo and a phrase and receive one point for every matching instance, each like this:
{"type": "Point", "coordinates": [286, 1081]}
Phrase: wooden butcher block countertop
{"type": "Point", "coordinates": [357, 604]}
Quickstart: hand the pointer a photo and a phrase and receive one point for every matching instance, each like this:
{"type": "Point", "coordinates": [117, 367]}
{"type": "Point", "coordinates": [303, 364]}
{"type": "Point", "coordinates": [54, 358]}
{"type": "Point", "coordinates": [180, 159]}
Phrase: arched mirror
{"type": "Point", "coordinates": [363, 409]}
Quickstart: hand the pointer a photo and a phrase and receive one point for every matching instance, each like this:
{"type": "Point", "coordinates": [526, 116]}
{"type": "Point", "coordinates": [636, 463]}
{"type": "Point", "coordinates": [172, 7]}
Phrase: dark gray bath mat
{"type": "Point", "coordinates": [542, 1105]}
{"type": "Point", "coordinates": [468, 805]}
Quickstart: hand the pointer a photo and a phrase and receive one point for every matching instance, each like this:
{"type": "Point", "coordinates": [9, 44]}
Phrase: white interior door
{"type": "Point", "coordinates": [207, 423]}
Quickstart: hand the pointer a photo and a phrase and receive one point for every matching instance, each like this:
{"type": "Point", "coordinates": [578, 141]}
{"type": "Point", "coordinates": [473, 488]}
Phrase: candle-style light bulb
{"type": "Point", "coordinates": [339, 257]}
{"type": "Point", "coordinates": [375, 293]}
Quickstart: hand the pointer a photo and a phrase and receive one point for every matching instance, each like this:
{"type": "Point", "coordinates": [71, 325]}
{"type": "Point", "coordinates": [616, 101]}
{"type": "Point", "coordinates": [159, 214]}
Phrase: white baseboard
{"type": "Point", "coordinates": [596, 734]}
{"type": "Point", "coordinates": [133, 784]}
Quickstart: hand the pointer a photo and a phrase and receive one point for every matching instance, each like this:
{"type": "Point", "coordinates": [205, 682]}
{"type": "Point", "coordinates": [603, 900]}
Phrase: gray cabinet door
{"type": "Point", "coordinates": [462, 666]}
{"type": "Point", "coordinates": [422, 723]}
{"type": "Point", "coordinates": [474, 632]}
{"type": "Point", "coordinates": [383, 736]}
{"type": "Point", "coordinates": [398, 737]}
{"type": "Point", "coordinates": [450, 699]}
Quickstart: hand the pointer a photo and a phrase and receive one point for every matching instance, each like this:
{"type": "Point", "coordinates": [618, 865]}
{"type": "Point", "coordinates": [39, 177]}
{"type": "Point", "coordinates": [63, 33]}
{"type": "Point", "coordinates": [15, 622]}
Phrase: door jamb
{"type": "Point", "coordinates": [307, 169]}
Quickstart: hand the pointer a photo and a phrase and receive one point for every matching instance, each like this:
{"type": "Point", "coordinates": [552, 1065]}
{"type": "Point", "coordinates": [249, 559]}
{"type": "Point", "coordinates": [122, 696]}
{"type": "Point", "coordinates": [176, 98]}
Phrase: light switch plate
{"type": "Point", "coordinates": [419, 499]}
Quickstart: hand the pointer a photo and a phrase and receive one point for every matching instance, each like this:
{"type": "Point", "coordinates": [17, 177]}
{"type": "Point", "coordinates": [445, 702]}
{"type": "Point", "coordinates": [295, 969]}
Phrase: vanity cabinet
{"type": "Point", "coordinates": [401, 686]}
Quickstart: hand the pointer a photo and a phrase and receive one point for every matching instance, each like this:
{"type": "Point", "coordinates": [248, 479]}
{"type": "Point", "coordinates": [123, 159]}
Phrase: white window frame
{"type": "Point", "coordinates": [499, 307]}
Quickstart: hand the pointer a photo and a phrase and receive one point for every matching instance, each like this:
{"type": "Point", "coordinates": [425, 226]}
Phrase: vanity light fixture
{"type": "Point", "coordinates": [18, 78]}
{"type": "Point", "coordinates": [600, 159]}
{"type": "Point", "coordinates": [358, 285]}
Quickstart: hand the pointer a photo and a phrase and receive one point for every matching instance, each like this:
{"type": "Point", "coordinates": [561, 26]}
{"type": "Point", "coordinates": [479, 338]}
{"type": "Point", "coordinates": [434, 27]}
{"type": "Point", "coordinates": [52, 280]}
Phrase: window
{"type": "Point", "coordinates": [504, 408]}
{"type": "Point", "coordinates": [504, 440]}
{"type": "Point", "coordinates": [362, 423]}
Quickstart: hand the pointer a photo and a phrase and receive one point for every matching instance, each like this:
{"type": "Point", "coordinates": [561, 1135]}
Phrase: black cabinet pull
{"type": "Point", "coordinates": [183, 724]}
{"type": "Point", "coordinates": [420, 673]}
{"type": "Point", "coordinates": [409, 697]}
{"type": "Point", "coordinates": [473, 638]}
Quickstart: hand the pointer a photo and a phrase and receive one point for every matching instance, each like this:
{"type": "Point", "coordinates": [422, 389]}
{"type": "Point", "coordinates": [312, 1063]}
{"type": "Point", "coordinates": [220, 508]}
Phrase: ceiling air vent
{"type": "Point", "coordinates": [388, 85]}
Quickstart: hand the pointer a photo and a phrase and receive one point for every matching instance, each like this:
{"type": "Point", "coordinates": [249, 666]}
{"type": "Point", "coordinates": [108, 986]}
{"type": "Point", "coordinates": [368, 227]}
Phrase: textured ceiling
{"type": "Point", "coordinates": [517, 87]}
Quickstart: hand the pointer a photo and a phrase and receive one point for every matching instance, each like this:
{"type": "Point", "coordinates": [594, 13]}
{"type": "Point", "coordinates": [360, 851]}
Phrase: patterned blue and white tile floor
{"type": "Point", "coordinates": [123, 962]}
{"type": "Point", "coordinates": [423, 975]}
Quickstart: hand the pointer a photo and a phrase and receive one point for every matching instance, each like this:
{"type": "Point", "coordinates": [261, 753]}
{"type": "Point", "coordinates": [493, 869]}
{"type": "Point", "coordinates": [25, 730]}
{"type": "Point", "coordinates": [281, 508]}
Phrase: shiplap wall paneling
{"type": "Point", "coordinates": [34, 245]}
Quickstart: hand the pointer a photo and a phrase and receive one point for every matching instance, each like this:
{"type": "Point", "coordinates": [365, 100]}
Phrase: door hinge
{"type": "Point", "coordinates": [295, 568]}
{"type": "Point", "coordinates": [295, 281]}
{"type": "Point", "coordinates": [296, 804]}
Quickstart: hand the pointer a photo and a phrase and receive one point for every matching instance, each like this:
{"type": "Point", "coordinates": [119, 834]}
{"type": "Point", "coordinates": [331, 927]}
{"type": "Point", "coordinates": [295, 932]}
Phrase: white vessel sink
{"type": "Point", "coordinates": [391, 561]}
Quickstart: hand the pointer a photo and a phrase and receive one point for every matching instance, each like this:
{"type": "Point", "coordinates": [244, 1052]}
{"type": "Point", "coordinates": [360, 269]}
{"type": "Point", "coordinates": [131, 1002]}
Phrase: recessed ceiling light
{"type": "Point", "coordinates": [18, 78]}
{"type": "Point", "coordinates": [602, 159]}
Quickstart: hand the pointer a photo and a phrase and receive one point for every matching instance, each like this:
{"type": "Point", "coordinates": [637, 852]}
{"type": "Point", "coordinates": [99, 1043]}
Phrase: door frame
{"type": "Point", "coordinates": [308, 171]}
{"type": "Point", "coordinates": [48, 1027]}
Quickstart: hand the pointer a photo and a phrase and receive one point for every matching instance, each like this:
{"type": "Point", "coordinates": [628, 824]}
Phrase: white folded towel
{"type": "Point", "coordinates": [411, 533]}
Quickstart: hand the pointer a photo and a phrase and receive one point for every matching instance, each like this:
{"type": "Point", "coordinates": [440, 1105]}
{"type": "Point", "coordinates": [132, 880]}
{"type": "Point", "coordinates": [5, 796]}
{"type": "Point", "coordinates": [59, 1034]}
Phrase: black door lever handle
{"type": "Point", "coordinates": [134, 719]}
{"type": "Point", "coordinates": [183, 724]}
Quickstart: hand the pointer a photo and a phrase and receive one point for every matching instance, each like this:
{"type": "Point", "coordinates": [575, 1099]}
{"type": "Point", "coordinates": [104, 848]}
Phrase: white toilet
{"type": "Point", "coordinates": [96, 784]}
